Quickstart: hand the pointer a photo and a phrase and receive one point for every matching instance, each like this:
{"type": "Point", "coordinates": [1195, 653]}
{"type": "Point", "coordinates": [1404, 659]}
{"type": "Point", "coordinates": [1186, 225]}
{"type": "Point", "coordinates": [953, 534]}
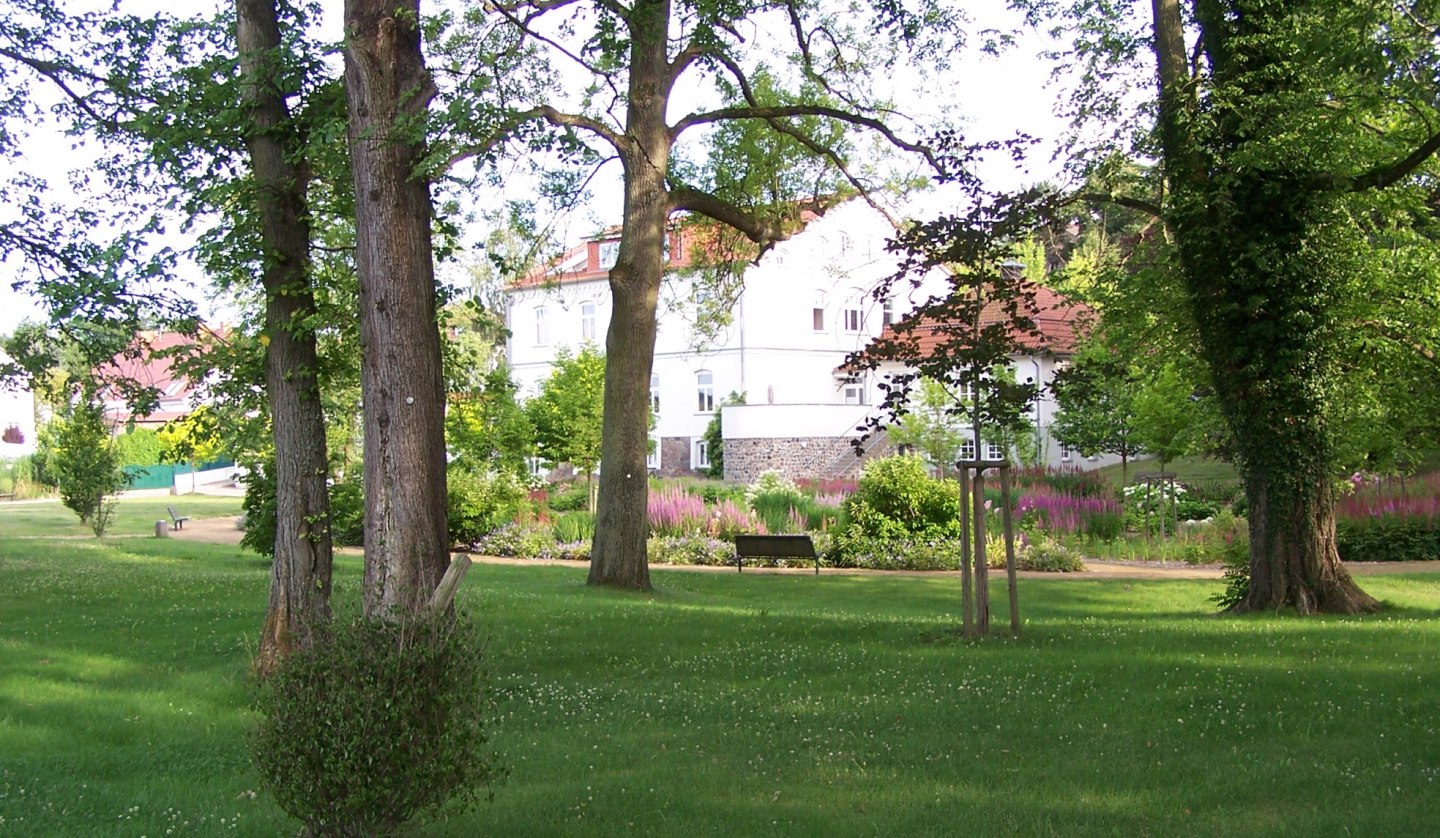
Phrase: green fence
{"type": "Point", "coordinates": [162, 476]}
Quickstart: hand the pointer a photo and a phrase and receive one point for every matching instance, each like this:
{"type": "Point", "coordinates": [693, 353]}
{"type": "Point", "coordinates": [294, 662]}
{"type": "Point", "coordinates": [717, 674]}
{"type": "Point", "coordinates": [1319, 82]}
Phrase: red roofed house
{"type": "Point", "coordinates": [150, 363]}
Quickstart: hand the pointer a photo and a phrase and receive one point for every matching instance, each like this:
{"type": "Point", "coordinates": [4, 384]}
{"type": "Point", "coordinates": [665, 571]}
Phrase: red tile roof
{"type": "Point", "coordinates": [1059, 323]}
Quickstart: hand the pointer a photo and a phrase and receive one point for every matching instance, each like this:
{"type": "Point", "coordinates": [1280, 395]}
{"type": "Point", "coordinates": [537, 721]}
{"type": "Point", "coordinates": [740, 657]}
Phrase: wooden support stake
{"type": "Point", "coordinates": [982, 569]}
{"type": "Point", "coordinates": [1008, 519]}
{"type": "Point", "coordinates": [449, 583]}
{"type": "Point", "coordinates": [967, 596]}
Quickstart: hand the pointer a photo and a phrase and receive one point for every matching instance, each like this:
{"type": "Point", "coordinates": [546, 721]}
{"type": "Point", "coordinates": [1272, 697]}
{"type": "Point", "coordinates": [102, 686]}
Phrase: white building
{"type": "Point", "coordinates": [801, 310]}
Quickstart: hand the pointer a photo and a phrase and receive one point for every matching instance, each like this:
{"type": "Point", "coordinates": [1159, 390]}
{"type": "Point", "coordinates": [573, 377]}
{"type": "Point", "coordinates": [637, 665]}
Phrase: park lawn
{"type": "Point", "coordinates": [134, 515]}
{"type": "Point", "coordinates": [748, 704]}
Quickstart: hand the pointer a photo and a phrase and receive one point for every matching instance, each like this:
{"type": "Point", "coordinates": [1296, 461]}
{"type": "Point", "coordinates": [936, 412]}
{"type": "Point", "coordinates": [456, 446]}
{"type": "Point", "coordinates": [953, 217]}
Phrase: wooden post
{"type": "Point", "coordinates": [1008, 519]}
{"type": "Point", "coordinates": [449, 583]}
{"type": "Point", "coordinates": [982, 569]}
{"type": "Point", "coordinates": [967, 597]}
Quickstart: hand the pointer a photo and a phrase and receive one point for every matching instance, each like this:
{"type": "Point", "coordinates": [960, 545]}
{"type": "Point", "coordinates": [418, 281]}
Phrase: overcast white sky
{"type": "Point", "coordinates": [998, 96]}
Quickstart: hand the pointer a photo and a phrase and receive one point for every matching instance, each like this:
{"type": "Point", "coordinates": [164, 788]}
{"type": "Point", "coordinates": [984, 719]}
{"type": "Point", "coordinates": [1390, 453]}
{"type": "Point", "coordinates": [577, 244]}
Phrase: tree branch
{"type": "Point", "coordinates": [1386, 175]}
{"type": "Point", "coordinates": [1147, 207]}
{"type": "Point", "coordinates": [546, 113]}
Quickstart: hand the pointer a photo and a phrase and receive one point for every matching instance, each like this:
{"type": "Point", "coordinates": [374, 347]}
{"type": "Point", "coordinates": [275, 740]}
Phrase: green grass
{"type": "Point", "coordinates": [133, 515]}
{"type": "Point", "coordinates": [748, 704]}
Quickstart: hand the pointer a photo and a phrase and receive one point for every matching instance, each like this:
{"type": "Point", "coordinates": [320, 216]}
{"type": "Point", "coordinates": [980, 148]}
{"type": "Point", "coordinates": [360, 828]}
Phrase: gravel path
{"type": "Point", "coordinates": [224, 531]}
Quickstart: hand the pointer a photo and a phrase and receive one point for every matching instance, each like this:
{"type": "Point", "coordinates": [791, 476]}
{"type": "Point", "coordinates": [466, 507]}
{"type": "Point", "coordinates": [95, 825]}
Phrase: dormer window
{"type": "Point", "coordinates": [609, 254]}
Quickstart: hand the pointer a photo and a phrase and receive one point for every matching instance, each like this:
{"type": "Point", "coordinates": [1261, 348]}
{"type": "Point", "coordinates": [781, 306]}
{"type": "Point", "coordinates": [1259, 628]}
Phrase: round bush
{"type": "Point", "coordinates": [382, 722]}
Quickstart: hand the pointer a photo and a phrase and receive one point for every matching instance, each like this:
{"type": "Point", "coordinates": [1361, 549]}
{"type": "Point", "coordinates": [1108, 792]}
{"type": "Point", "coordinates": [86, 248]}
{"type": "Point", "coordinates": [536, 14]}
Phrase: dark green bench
{"type": "Point", "coordinates": [774, 547]}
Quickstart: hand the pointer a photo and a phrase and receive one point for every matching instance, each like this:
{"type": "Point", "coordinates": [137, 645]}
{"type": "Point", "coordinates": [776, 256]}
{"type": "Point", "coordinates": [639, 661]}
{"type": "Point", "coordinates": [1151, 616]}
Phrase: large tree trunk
{"type": "Point", "coordinates": [1244, 238]}
{"type": "Point", "coordinates": [388, 91]}
{"type": "Point", "coordinates": [299, 602]}
{"type": "Point", "coordinates": [617, 556]}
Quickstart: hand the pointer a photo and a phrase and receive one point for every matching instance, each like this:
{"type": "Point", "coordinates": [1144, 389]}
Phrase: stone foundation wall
{"type": "Point", "coordinates": [795, 457]}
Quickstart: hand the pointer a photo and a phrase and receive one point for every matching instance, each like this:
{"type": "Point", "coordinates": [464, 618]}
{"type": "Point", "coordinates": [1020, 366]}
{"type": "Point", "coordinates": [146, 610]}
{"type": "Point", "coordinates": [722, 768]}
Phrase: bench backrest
{"type": "Point", "coordinates": [775, 546]}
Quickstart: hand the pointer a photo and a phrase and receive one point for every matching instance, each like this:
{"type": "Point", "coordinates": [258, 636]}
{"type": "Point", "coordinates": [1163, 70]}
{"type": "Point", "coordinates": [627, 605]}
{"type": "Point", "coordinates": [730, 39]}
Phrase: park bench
{"type": "Point", "coordinates": [7, 496]}
{"type": "Point", "coordinates": [774, 547]}
{"type": "Point", "coordinates": [177, 520]}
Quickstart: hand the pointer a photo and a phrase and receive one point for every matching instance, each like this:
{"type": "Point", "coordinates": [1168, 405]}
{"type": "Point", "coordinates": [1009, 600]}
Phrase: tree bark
{"type": "Point", "coordinates": [617, 556]}
{"type": "Point", "coordinates": [388, 91]}
{"type": "Point", "coordinates": [300, 576]}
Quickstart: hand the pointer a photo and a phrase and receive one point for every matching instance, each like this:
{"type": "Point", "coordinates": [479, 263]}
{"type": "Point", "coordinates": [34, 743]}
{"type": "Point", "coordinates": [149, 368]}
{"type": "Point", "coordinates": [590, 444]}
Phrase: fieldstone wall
{"type": "Point", "coordinates": [795, 457]}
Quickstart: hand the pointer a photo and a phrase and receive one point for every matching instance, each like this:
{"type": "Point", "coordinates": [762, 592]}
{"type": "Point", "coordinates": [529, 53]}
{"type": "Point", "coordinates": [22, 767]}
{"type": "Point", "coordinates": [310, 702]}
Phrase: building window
{"type": "Point", "coordinates": [542, 328]}
{"type": "Point", "coordinates": [587, 320]}
{"type": "Point", "coordinates": [609, 254]}
{"type": "Point", "coordinates": [887, 311]}
{"type": "Point", "coordinates": [853, 316]}
{"type": "Point", "coordinates": [654, 393]}
{"type": "Point", "coordinates": [536, 466]}
{"type": "Point", "coordinates": [854, 392]}
{"type": "Point", "coordinates": [1065, 455]}
{"type": "Point", "coordinates": [652, 458]}
{"type": "Point", "coordinates": [705, 390]}
{"type": "Point", "coordinates": [817, 313]}
{"type": "Point", "coordinates": [967, 450]}
{"type": "Point", "coordinates": [993, 452]}
{"type": "Point", "coordinates": [702, 456]}
{"type": "Point", "coordinates": [965, 391]}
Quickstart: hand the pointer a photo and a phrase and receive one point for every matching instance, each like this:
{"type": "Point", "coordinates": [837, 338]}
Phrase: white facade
{"type": "Point", "coordinates": [803, 308]}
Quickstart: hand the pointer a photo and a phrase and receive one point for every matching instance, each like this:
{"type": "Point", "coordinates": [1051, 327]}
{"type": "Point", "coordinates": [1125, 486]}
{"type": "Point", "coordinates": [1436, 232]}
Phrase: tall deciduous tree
{"type": "Point", "coordinates": [636, 56]}
{"type": "Point", "coordinates": [300, 574]}
{"type": "Point", "coordinates": [389, 91]}
{"type": "Point", "coordinates": [1269, 141]}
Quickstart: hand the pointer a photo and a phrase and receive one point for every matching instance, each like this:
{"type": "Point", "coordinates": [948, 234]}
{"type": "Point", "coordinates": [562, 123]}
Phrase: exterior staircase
{"type": "Point", "coordinates": [847, 465]}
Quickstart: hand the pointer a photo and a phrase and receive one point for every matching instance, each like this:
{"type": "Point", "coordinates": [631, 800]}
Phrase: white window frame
{"type": "Point", "coordinates": [652, 458]}
{"type": "Point", "coordinates": [852, 317]}
{"type": "Point", "coordinates": [542, 327]}
{"type": "Point", "coordinates": [1066, 455]}
{"type": "Point", "coordinates": [817, 312]}
{"type": "Point", "coordinates": [993, 452]}
{"type": "Point", "coordinates": [967, 449]}
{"type": "Point", "coordinates": [704, 391]}
{"type": "Point", "coordinates": [853, 391]}
{"type": "Point", "coordinates": [655, 393]}
{"type": "Point", "coordinates": [699, 455]}
{"type": "Point", "coordinates": [887, 311]}
{"type": "Point", "coordinates": [587, 320]}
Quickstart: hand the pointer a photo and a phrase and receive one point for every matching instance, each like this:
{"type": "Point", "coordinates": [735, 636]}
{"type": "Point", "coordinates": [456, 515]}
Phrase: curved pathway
{"type": "Point", "coordinates": [224, 531]}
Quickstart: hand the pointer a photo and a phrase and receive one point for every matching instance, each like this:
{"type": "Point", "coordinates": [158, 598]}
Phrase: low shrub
{"type": "Point", "coordinates": [569, 497]}
{"type": "Point", "coordinates": [900, 552]}
{"type": "Point", "coordinates": [1047, 556]}
{"type": "Point", "coordinates": [378, 724]}
{"type": "Point", "coordinates": [517, 541]}
{"type": "Point", "coordinates": [1388, 539]}
{"type": "Point", "coordinates": [481, 503]}
{"type": "Point", "coordinates": [691, 549]}
{"type": "Point", "coordinates": [896, 495]}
